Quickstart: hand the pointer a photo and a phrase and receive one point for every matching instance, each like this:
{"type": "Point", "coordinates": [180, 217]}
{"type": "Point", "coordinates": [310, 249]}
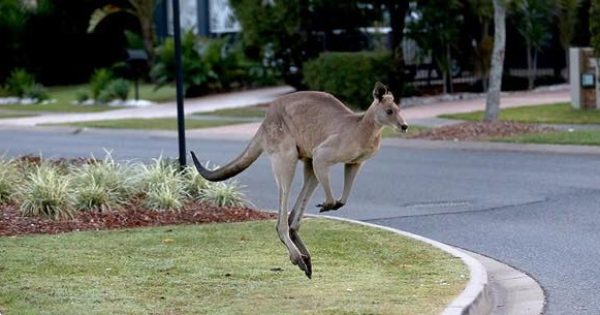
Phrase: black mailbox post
{"type": "Point", "coordinates": [137, 64]}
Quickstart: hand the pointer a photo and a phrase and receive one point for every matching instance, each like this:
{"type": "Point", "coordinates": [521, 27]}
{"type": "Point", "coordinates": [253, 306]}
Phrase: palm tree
{"type": "Point", "coordinates": [143, 10]}
{"type": "Point", "coordinates": [492, 105]}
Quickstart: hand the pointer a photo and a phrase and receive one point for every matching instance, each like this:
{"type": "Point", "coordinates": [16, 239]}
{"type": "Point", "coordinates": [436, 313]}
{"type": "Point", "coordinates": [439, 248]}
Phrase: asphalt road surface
{"type": "Point", "coordinates": [537, 212]}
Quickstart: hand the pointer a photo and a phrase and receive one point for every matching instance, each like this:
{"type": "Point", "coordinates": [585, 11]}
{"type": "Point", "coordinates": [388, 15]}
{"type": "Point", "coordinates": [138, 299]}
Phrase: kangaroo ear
{"type": "Point", "coordinates": [379, 91]}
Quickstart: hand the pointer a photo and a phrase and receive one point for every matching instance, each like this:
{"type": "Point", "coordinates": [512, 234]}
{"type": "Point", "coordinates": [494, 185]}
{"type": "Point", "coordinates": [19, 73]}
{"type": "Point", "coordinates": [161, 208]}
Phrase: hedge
{"type": "Point", "coordinates": [350, 76]}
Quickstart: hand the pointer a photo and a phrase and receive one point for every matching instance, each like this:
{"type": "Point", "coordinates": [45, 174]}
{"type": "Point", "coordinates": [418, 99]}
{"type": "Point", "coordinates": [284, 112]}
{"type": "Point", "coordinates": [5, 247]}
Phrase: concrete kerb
{"type": "Point", "coordinates": [476, 298]}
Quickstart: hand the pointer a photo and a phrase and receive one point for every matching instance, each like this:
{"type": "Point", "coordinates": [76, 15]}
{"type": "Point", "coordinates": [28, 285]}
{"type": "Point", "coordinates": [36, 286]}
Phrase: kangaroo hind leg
{"type": "Point", "coordinates": [310, 184]}
{"type": "Point", "coordinates": [283, 163]}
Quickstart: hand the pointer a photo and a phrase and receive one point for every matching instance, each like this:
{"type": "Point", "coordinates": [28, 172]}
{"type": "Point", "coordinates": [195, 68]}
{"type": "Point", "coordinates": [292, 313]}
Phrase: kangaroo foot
{"type": "Point", "coordinates": [330, 206]}
{"type": "Point", "coordinates": [303, 262]}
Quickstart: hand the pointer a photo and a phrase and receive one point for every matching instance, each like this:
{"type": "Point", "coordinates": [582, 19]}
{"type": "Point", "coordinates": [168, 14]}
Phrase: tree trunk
{"type": "Point", "coordinates": [529, 71]}
{"type": "Point", "coordinates": [567, 65]}
{"type": "Point", "coordinates": [597, 83]}
{"type": "Point", "coordinates": [148, 34]}
{"type": "Point", "coordinates": [492, 105]}
{"type": "Point", "coordinates": [449, 69]}
{"type": "Point", "coordinates": [534, 75]}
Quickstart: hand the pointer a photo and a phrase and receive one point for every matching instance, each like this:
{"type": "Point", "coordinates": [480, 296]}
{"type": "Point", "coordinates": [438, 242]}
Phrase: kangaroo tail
{"type": "Point", "coordinates": [245, 159]}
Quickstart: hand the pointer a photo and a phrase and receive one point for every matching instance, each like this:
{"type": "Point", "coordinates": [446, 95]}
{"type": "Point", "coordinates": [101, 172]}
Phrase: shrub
{"type": "Point", "coordinates": [99, 81]}
{"type": "Point", "coordinates": [162, 185]}
{"type": "Point", "coordinates": [119, 89]}
{"type": "Point", "coordinates": [195, 70]}
{"type": "Point", "coordinates": [82, 96]}
{"type": "Point", "coordinates": [47, 192]}
{"type": "Point", "coordinates": [225, 194]}
{"type": "Point", "coordinates": [19, 81]}
{"type": "Point", "coordinates": [36, 92]}
{"type": "Point", "coordinates": [9, 180]}
{"type": "Point", "coordinates": [349, 76]}
{"type": "Point", "coordinates": [103, 185]}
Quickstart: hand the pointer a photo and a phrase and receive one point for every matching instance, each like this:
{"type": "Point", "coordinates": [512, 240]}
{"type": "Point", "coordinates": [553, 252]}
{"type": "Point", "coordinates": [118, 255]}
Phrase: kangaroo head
{"type": "Point", "coordinates": [386, 111]}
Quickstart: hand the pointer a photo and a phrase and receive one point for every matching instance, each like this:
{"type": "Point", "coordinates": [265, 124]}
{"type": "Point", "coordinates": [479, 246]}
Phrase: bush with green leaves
{"type": "Point", "coordinates": [47, 192]}
{"type": "Point", "coordinates": [103, 185]}
{"type": "Point", "coordinates": [99, 81]}
{"type": "Point", "coordinates": [22, 84]}
{"type": "Point", "coordinates": [195, 184]}
{"type": "Point", "coordinates": [117, 89]}
{"type": "Point", "coordinates": [195, 71]}
{"type": "Point", "coordinates": [9, 180]}
{"type": "Point", "coordinates": [348, 76]}
{"type": "Point", "coordinates": [209, 65]}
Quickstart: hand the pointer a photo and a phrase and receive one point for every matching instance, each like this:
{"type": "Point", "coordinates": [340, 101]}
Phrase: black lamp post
{"type": "Point", "coordinates": [179, 84]}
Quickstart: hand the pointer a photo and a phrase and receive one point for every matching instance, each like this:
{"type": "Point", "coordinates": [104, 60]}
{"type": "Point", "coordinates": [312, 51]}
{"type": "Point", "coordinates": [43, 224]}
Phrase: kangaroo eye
{"type": "Point", "coordinates": [389, 111]}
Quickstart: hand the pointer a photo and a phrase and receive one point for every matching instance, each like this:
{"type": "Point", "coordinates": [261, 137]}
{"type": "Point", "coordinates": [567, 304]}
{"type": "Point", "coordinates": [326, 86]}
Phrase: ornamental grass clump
{"type": "Point", "coordinates": [47, 191]}
{"type": "Point", "coordinates": [103, 185]}
{"type": "Point", "coordinates": [162, 185]}
{"type": "Point", "coordinates": [225, 194]}
{"type": "Point", "coordinates": [9, 180]}
{"type": "Point", "coordinates": [195, 184]}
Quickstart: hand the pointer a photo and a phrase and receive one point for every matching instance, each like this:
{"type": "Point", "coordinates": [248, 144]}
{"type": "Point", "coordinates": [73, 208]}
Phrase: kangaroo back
{"type": "Point", "coordinates": [245, 159]}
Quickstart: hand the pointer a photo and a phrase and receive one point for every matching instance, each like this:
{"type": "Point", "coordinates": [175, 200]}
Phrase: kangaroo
{"type": "Point", "coordinates": [319, 130]}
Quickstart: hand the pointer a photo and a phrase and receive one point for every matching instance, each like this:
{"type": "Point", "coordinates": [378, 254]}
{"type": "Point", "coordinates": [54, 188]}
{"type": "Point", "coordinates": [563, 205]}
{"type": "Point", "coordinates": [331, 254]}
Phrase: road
{"type": "Point", "coordinates": [537, 212]}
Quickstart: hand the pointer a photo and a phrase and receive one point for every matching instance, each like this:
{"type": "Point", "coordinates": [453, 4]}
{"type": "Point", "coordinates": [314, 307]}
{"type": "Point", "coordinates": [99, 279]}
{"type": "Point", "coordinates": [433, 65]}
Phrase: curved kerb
{"type": "Point", "coordinates": [474, 299]}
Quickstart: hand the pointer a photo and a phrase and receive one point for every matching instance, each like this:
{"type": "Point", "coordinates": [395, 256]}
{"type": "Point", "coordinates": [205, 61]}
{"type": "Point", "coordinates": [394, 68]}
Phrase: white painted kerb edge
{"type": "Point", "coordinates": [478, 278]}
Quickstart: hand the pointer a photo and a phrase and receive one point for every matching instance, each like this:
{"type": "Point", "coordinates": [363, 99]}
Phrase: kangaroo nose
{"type": "Point", "coordinates": [404, 127]}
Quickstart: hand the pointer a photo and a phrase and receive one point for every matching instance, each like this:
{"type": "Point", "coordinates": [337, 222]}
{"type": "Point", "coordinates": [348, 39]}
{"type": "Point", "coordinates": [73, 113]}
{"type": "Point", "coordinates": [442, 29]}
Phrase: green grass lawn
{"type": "Point", "coordinates": [581, 137]}
{"type": "Point", "coordinates": [65, 95]}
{"type": "Point", "coordinates": [246, 112]}
{"type": "Point", "coordinates": [239, 268]}
{"type": "Point", "coordinates": [560, 113]}
{"type": "Point", "coordinates": [153, 124]}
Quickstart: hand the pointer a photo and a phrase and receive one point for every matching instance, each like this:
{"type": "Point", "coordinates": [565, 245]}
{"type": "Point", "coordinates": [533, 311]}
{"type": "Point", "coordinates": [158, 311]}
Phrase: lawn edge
{"type": "Point", "coordinates": [476, 297]}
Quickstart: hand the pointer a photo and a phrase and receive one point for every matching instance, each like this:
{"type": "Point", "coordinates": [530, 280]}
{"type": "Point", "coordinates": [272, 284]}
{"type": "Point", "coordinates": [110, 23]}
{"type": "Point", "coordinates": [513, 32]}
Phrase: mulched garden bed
{"type": "Point", "coordinates": [13, 223]}
{"type": "Point", "coordinates": [477, 131]}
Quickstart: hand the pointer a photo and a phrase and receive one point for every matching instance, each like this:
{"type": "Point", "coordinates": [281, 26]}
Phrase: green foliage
{"type": "Point", "coordinates": [162, 185]}
{"type": "Point", "coordinates": [48, 192]}
{"type": "Point", "coordinates": [13, 19]}
{"type": "Point", "coordinates": [100, 79]}
{"type": "Point", "coordinates": [82, 96]}
{"type": "Point", "coordinates": [9, 180]}
{"type": "Point", "coordinates": [103, 185]}
{"type": "Point", "coordinates": [208, 65]}
{"type": "Point", "coordinates": [225, 194]}
{"type": "Point", "coordinates": [437, 29]}
{"type": "Point", "coordinates": [119, 89]}
{"type": "Point", "coordinates": [19, 81]}
{"type": "Point", "coordinates": [566, 14]}
{"type": "Point", "coordinates": [195, 71]}
{"type": "Point", "coordinates": [532, 20]}
{"type": "Point", "coordinates": [37, 92]}
{"type": "Point", "coordinates": [271, 31]}
{"type": "Point", "coordinates": [57, 190]}
{"type": "Point", "coordinates": [195, 184]}
{"type": "Point", "coordinates": [595, 26]}
{"type": "Point", "coordinates": [349, 76]}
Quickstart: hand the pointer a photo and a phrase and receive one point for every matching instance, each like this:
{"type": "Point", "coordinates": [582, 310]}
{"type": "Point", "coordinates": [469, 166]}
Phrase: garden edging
{"type": "Point", "coordinates": [476, 298]}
